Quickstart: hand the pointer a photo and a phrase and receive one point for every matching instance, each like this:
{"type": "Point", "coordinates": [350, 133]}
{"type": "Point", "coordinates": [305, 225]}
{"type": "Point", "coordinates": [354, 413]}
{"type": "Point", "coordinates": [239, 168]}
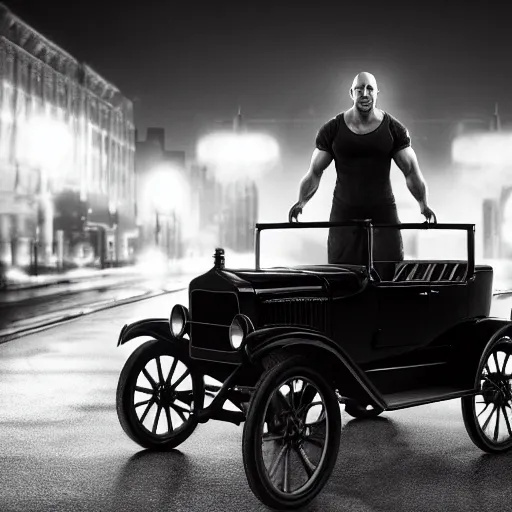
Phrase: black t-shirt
{"type": "Point", "coordinates": [363, 162]}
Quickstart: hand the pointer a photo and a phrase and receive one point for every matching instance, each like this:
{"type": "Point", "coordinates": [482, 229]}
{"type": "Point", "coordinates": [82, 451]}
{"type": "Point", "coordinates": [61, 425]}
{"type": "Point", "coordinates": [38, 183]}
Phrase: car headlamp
{"type": "Point", "coordinates": [178, 320]}
{"type": "Point", "coordinates": [240, 327]}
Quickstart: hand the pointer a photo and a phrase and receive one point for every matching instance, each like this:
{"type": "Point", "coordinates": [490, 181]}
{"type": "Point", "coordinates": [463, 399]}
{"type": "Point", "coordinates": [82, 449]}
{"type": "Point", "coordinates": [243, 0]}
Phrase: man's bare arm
{"type": "Point", "coordinates": [407, 162]}
{"type": "Point", "coordinates": [320, 160]}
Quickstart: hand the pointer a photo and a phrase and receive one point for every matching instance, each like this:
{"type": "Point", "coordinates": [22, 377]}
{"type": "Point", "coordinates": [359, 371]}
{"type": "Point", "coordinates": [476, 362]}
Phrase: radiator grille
{"type": "Point", "coordinates": [213, 307]}
{"type": "Point", "coordinates": [214, 311]}
{"type": "Point", "coordinates": [304, 312]}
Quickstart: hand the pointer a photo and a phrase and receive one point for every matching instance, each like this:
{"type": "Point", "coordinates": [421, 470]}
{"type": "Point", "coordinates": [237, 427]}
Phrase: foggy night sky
{"type": "Point", "coordinates": [188, 64]}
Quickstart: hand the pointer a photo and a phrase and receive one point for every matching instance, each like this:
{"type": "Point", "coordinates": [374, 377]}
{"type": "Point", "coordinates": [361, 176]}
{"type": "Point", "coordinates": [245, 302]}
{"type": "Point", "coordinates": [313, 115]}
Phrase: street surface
{"type": "Point", "coordinates": [25, 309]}
{"type": "Point", "coordinates": [62, 448]}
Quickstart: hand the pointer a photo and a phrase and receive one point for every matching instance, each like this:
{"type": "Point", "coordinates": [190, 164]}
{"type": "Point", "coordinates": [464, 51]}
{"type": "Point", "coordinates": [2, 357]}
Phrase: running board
{"type": "Point", "coordinates": [423, 396]}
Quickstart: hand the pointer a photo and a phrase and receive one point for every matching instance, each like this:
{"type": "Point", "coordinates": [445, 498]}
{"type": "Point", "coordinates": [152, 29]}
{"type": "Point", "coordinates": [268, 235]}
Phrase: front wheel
{"type": "Point", "coordinates": [291, 435]}
{"type": "Point", "coordinates": [488, 415]}
{"type": "Point", "coordinates": [156, 395]}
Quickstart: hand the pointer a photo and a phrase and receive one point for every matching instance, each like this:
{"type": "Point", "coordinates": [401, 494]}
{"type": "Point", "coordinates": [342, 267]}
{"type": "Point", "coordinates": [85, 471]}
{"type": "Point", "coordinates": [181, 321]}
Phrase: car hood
{"type": "Point", "coordinates": [329, 280]}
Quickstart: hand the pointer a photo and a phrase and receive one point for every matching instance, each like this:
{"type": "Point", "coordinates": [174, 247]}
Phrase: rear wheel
{"type": "Point", "coordinates": [291, 434]}
{"type": "Point", "coordinates": [488, 415]}
{"type": "Point", "coordinates": [156, 394]}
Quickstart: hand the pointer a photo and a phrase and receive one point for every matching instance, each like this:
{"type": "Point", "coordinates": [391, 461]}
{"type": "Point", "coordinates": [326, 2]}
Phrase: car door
{"type": "Point", "coordinates": [403, 314]}
{"type": "Point", "coordinates": [448, 306]}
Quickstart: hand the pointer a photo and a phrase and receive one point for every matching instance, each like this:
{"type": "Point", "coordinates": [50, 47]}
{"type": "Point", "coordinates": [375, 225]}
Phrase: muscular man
{"type": "Point", "coordinates": [362, 141]}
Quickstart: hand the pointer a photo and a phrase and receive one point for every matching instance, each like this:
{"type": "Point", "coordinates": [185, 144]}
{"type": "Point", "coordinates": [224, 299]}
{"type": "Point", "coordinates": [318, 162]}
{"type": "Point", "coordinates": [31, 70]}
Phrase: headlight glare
{"type": "Point", "coordinates": [240, 327]}
{"type": "Point", "coordinates": [178, 320]}
{"type": "Point", "coordinates": [236, 333]}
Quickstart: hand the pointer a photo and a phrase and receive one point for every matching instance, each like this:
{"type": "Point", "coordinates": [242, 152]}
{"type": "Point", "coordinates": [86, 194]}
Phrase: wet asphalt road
{"type": "Point", "coordinates": [62, 448]}
{"type": "Point", "coordinates": [19, 309]}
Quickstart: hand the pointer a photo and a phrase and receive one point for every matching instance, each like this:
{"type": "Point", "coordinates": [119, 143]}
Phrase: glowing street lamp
{"type": "Point", "coordinates": [490, 149]}
{"type": "Point", "coordinates": [167, 194]}
{"type": "Point", "coordinates": [236, 159]}
{"type": "Point", "coordinates": [232, 156]}
{"type": "Point", "coordinates": [49, 144]}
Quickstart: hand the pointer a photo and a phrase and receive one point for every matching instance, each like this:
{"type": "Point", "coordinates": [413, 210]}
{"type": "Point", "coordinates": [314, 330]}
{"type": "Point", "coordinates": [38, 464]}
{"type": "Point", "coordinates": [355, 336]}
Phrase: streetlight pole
{"type": "Point", "coordinates": [157, 228]}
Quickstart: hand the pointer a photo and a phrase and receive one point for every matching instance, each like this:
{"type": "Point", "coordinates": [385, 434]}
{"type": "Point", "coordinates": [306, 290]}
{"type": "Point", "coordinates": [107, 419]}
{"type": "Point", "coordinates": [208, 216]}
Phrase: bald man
{"type": "Point", "coordinates": [362, 141]}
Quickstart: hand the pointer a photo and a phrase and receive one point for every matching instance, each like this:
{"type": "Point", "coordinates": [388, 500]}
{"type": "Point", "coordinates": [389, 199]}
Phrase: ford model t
{"type": "Point", "coordinates": [289, 344]}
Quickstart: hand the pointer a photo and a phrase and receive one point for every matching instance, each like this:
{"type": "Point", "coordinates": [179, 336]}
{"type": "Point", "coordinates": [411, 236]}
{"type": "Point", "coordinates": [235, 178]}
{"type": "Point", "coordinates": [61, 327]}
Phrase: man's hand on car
{"type": "Point", "coordinates": [429, 214]}
{"type": "Point", "coordinates": [295, 211]}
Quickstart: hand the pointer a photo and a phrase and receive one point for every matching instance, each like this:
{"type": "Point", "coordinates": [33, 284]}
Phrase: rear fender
{"type": "Point", "coordinates": [470, 341]}
{"type": "Point", "coordinates": [157, 328]}
{"type": "Point", "coordinates": [328, 355]}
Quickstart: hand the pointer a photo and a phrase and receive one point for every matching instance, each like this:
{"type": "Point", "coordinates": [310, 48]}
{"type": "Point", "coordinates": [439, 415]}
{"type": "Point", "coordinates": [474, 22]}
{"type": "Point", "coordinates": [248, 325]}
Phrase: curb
{"type": "Point", "coordinates": [499, 293]}
{"type": "Point", "coordinates": [96, 283]}
{"type": "Point", "coordinates": [86, 310]}
{"type": "Point", "coordinates": [63, 279]}
{"type": "Point", "coordinates": [68, 280]}
{"type": "Point", "coordinates": [97, 275]}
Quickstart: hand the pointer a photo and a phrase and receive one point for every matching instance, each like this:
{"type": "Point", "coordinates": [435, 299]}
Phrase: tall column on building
{"type": "Point", "coordinates": [5, 238]}
{"type": "Point", "coordinates": [45, 212]}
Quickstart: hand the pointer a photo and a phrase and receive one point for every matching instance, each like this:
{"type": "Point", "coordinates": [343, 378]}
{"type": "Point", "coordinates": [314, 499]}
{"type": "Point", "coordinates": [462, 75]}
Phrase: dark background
{"type": "Point", "coordinates": [187, 64]}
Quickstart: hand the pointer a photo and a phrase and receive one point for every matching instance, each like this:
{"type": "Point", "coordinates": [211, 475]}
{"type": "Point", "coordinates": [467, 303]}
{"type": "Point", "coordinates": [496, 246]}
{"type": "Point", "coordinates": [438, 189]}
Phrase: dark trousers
{"type": "Point", "coordinates": [350, 244]}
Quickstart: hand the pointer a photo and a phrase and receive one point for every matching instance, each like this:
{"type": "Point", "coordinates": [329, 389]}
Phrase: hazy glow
{"type": "Point", "coordinates": [493, 149]}
{"type": "Point", "coordinates": [506, 227]}
{"type": "Point", "coordinates": [6, 117]}
{"type": "Point", "coordinates": [49, 142]}
{"type": "Point", "coordinates": [16, 275]}
{"type": "Point", "coordinates": [233, 155]}
{"type": "Point", "coordinates": [153, 262]}
{"type": "Point", "coordinates": [167, 190]}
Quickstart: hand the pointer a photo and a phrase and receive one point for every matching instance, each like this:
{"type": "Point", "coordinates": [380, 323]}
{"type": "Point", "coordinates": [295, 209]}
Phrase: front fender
{"type": "Point", "coordinates": [322, 349]}
{"type": "Point", "coordinates": [157, 328]}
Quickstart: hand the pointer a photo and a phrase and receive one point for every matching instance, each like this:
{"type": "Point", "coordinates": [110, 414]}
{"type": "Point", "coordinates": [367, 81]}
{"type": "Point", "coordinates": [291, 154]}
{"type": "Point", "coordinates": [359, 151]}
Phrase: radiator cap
{"type": "Point", "coordinates": [218, 258]}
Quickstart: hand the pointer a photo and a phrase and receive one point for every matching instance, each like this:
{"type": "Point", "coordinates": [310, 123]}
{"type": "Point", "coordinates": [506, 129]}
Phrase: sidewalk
{"type": "Point", "coordinates": [18, 280]}
{"type": "Point", "coordinates": [153, 265]}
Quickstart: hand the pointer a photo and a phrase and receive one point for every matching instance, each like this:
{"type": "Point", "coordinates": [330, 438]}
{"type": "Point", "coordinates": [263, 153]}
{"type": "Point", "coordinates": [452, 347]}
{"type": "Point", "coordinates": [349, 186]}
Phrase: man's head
{"type": "Point", "coordinates": [364, 92]}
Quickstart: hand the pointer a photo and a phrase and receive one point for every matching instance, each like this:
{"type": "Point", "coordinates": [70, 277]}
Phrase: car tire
{"type": "Point", "coordinates": [495, 394]}
{"type": "Point", "coordinates": [360, 412]}
{"type": "Point", "coordinates": [299, 436]}
{"type": "Point", "coordinates": [164, 398]}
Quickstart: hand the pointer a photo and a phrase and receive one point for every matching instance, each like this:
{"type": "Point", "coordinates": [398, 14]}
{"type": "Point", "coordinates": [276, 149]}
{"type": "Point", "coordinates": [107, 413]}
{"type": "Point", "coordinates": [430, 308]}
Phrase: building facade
{"type": "Point", "coordinates": [184, 209]}
{"type": "Point", "coordinates": [67, 144]}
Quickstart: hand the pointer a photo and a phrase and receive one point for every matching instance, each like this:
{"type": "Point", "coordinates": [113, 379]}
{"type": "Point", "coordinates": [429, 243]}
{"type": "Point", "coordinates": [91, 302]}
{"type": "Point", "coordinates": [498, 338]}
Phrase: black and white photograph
{"type": "Point", "coordinates": [255, 256]}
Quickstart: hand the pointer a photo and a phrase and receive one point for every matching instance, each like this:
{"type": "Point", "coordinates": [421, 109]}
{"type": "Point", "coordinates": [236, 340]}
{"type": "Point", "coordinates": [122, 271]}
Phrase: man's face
{"type": "Point", "coordinates": [364, 93]}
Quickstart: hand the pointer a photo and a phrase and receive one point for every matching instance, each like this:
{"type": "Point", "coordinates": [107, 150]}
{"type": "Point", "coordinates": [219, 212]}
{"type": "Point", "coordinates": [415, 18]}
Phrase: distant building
{"type": "Point", "coordinates": [224, 213]}
{"type": "Point", "coordinates": [184, 209]}
{"type": "Point", "coordinates": [483, 159]}
{"type": "Point", "coordinates": [228, 202]}
{"type": "Point", "coordinates": [66, 155]}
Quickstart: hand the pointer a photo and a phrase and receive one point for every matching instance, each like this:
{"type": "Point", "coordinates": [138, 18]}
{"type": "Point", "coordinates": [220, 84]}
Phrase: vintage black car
{"type": "Point", "coordinates": [290, 344]}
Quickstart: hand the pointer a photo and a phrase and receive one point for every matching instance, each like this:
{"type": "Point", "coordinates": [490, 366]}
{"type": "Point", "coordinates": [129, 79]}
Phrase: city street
{"type": "Point", "coordinates": [62, 447]}
{"type": "Point", "coordinates": [141, 146]}
{"type": "Point", "coordinates": [25, 309]}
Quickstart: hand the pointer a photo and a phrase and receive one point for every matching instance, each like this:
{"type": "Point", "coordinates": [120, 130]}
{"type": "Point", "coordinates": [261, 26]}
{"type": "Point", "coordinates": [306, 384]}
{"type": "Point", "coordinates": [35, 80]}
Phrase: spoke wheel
{"type": "Point", "coordinates": [291, 435]}
{"type": "Point", "coordinates": [488, 415]}
{"type": "Point", "coordinates": [359, 411]}
{"type": "Point", "coordinates": [156, 395]}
